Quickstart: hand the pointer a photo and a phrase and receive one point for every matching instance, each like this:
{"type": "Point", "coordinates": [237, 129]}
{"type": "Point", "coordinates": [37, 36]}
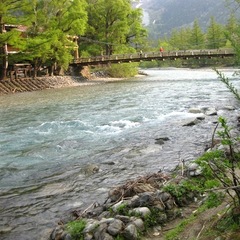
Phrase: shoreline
{"type": "Point", "coordinates": [41, 83]}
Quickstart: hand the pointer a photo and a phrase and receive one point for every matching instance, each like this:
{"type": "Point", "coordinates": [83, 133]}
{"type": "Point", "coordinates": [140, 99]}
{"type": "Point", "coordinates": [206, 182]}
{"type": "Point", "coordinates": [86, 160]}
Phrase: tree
{"type": "Point", "coordinates": [232, 24]}
{"type": "Point", "coordinates": [197, 36]}
{"type": "Point", "coordinates": [51, 38]}
{"type": "Point", "coordinates": [9, 14]}
{"type": "Point", "coordinates": [113, 25]}
{"type": "Point", "coordinates": [215, 35]}
{"type": "Point", "coordinates": [179, 39]}
{"type": "Point", "coordinates": [137, 34]}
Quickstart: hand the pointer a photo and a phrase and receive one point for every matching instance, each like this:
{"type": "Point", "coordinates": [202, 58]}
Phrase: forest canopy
{"type": "Point", "coordinates": [50, 33]}
{"type": "Point", "coordinates": [55, 28]}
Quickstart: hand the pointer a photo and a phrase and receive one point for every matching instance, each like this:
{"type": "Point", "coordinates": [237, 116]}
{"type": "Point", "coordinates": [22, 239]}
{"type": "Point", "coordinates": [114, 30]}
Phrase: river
{"type": "Point", "coordinates": [47, 138]}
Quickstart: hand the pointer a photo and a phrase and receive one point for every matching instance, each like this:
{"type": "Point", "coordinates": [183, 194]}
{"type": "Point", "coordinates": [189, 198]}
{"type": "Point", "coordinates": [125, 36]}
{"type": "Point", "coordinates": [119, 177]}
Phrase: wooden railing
{"type": "Point", "coordinates": [148, 56]}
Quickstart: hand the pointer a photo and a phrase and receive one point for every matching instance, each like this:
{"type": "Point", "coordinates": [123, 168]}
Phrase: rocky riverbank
{"type": "Point", "coordinates": [130, 209]}
{"type": "Point", "coordinates": [144, 205]}
{"type": "Point", "coordinates": [36, 84]}
{"type": "Point", "coordinates": [41, 83]}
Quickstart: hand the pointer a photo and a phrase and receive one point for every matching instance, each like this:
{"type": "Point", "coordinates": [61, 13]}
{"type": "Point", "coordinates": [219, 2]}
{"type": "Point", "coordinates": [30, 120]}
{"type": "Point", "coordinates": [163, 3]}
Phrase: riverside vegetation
{"type": "Point", "coordinates": [142, 207]}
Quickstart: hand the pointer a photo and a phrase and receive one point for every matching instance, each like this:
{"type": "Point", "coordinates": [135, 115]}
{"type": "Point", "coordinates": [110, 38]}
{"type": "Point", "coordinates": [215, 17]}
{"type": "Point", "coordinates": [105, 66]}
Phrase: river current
{"type": "Point", "coordinates": [48, 138]}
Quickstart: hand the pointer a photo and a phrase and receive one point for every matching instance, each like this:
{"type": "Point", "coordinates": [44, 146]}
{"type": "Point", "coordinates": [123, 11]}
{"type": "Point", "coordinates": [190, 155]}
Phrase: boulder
{"type": "Point", "coordinates": [190, 122]}
{"type": "Point", "coordinates": [211, 112]}
{"type": "Point", "coordinates": [143, 211]}
{"type": "Point", "coordinates": [138, 222]}
{"type": "Point", "coordinates": [193, 169]}
{"type": "Point", "coordinates": [161, 140]}
{"type": "Point", "coordinates": [142, 199]}
{"type": "Point", "coordinates": [195, 110]}
{"type": "Point", "coordinates": [130, 232]}
{"type": "Point", "coordinates": [115, 227]}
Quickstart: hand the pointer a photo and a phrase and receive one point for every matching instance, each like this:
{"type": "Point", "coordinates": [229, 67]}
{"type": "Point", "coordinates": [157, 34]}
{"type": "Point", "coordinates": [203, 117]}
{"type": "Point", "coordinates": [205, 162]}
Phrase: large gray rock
{"type": "Point", "coordinates": [190, 122]}
{"type": "Point", "coordinates": [162, 196]}
{"type": "Point", "coordinates": [138, 222]}
{"type": "Point", "coordinates": [91, 226]}
{"type": "Point", "coordinates": [115, 227]}
{"type": "Point", "coordinates": [195, 110]}
{"type": "Point", "coordinates": [143, 199]}
{"type": "Point", "coordinates": [123, 218]}
{"type": "Point", "coordinates": [161, 140]}
{"type": "Point", "coordinates": [100, 231]}
{"type": "Point", "coordinates": [116, 206]}
{"type": "Point", "coordinates": [211, 112]}
{"type": "Point", "coordinates": [130, 232]}
{"type": "Point", "coordinates": [143, 211]}
{"type": "Point", "coordinates": [193, 169]}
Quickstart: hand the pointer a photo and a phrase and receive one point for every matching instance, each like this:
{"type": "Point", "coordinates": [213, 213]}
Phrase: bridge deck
{"type": "Point", "coordinates": [149, 56]}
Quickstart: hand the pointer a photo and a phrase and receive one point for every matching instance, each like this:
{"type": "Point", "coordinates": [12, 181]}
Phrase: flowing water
{"type": "Point", "coordinates": [48, 138]}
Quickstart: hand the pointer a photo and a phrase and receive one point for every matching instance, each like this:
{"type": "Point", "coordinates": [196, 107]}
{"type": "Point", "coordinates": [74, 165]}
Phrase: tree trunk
{"type": "Point", "coordinates": [3, 53]}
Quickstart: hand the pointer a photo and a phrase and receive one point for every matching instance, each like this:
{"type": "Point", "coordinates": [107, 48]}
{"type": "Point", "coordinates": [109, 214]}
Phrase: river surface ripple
{"type": "Point", "coordinates": [48, 137]}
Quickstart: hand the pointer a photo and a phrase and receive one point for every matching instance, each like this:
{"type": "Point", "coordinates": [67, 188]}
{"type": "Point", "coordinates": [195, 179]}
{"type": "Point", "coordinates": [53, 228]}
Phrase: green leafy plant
{"type": "Point", "coordinates": [220, 168]}
{"type": "Point", "coordinates": [229, 85]}
{"type": "Point", "coordinates": [76, 228]}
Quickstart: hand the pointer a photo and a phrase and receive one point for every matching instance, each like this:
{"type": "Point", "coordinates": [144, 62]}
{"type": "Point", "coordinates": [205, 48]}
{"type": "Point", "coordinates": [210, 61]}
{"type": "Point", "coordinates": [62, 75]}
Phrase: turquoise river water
{"type": "Point", "coordinates": [47, 139]}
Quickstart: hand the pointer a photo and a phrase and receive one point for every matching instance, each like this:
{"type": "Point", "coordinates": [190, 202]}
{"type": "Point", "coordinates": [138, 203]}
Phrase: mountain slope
{"type": "Point", "coordinates": [162, 16]}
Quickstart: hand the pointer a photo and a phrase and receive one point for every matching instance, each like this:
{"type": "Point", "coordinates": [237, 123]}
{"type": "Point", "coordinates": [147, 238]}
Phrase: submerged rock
{"type": "Point", "coordinates": [161, 140]}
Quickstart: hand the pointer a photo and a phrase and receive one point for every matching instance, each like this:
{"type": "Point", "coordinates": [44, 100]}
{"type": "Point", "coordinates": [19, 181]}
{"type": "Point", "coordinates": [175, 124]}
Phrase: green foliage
{"type": "Point", "coordinates": [204, 161]}
{"type": "Point", "coordinates": [219, 169]}
{"type": "Point", "coordinates": [227, 223]}
{"type": "Point", "coordinates": [119, 237]}
{"type": "Point", "coordinates": [214, 199]}
{"type": "Point", "coordinates": [228, 84]}
{"type": "Point", "coordinates": [76, 228]}
{"type": "Point", "coordinates": [184, 190]}
{"type": "Point", "coordinates": [122, 209]}
{"type": "Point", "coordinates": [215, 35]}
{"type": "Point", "coordinates": [112, 24]}
{"type": "Point", "coordinates": [197, 36]}
{"type": "Point", "coordinates": [123, 70]}
{"type": "Point", "coordinates": [149, 64]}
{"type": "Point", "coordinates": [153, 218]}
{"type": "Point", "coordinates": [174, 234]}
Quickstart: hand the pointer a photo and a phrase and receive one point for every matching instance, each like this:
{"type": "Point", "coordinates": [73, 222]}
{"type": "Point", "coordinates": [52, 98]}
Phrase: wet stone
{"type": "Point", "coordinates": [100, 232]}
{"type": "Point", "coordinates": [163, 196]}
{"type": "Point", "coordinates": [57, 233]}
{"type": "Point", "coordinates": [211, 112]}
{"type": "Point", "coordinates": [130, 232]}
{"type": "Point", "coordinates": [124, 219]}
{"type": "Point", "coordinates": [143, 211]}
{"type": "Point", "coordinates": [195, 110]}
{"type": "Point", "coordinates": [91, 225]}
{"type": "Point", "coordinates": [115, 227]}
{"type": "Point", "coordinates": [138, 222]}
{"type": "Point", "coordinates": [142, 199]}
{"type": "Point", "coordinates": [190, 122]}
{"type": "Point", "coordinates": [161, 140]}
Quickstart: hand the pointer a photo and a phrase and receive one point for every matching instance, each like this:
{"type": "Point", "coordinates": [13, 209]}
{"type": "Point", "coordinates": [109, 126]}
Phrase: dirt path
{"type": "Point", "coordinates": [195, 229]}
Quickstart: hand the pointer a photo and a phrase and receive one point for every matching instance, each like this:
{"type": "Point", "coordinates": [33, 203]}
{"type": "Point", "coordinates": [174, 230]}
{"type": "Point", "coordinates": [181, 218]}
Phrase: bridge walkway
{"type": "Point", "coordinates": [149, 56]}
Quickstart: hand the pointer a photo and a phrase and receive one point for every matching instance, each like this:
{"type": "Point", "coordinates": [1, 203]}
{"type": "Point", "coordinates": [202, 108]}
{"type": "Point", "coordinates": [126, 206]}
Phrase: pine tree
{"type": "Point", "coordinates": [215, 35]}
{"type": "Point", "coordinates": [197, 36]}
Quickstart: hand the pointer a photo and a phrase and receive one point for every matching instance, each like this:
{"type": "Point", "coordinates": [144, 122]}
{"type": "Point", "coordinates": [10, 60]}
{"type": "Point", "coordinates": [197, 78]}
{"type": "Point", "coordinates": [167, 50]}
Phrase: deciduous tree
{"type": "Point", "coordinates": [9, 14]}
{"type": "Point", "coordinates": [113, 25]}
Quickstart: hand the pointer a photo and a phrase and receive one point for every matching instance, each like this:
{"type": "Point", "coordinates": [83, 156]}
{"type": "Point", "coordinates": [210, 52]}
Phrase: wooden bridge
{"type": "Point", "coordinates": [150, 56]}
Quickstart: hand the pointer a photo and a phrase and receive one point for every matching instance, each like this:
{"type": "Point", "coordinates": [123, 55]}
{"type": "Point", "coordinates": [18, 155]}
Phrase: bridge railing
{"type": "Point", "coordinates": [155, 55]}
